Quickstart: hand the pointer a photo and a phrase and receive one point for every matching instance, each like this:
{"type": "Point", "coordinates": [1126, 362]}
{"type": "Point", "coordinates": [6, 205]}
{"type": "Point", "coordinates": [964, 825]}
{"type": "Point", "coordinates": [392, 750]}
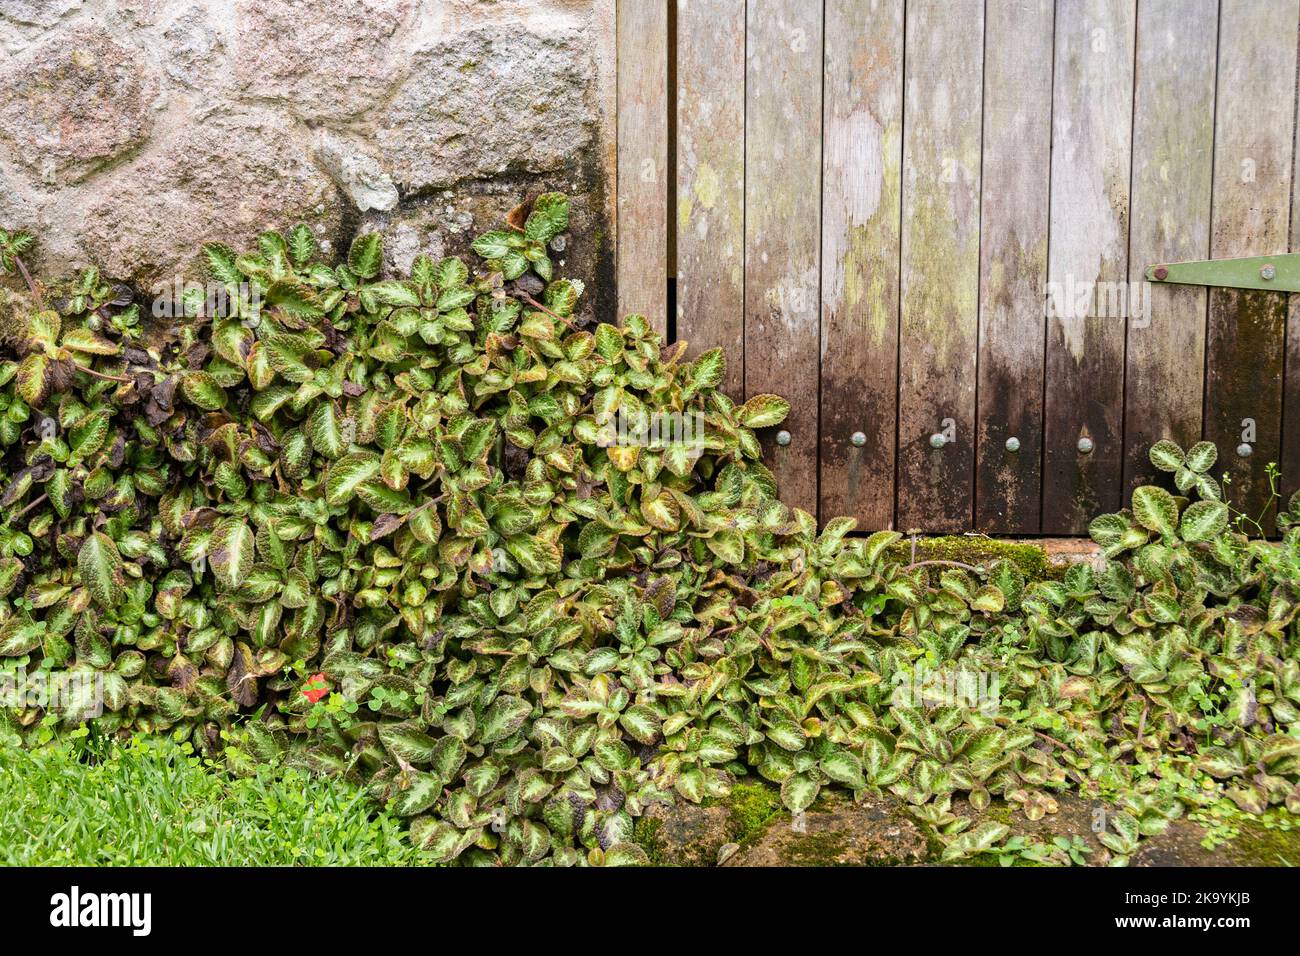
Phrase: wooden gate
{"type": "Point", "coordinates": [880, 208]}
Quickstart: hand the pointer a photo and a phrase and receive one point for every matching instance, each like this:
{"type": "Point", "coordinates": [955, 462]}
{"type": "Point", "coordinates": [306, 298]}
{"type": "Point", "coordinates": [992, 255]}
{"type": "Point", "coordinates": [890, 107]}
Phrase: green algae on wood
{"type": "Point", "coordinates": [1092, 115]}
{"type": "Point", "coordinates": [711, 181]}
{"type": "Point", "coordinates": [1173, 129]}
{"type": "Point", "coordinates": [783, 124]}
{"type": "Point", "coordinates": [1013, 264]}
{"type": "Point", "coordinates": [861, 203]}
{"type": "Point", "coordinates": [1253, 144]}
{"type": "Point", "coordinates": [939, 321]}
{"type": "Point", "coordinates": [642, 239]}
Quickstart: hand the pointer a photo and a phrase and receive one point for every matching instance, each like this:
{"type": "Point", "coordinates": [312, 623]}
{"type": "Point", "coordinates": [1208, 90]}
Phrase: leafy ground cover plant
{"type": "Point", "coordinates": [426, 533]}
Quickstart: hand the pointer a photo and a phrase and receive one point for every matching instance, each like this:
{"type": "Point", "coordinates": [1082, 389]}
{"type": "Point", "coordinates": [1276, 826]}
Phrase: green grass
{"type": "Point", "coordinates": [149, 803]}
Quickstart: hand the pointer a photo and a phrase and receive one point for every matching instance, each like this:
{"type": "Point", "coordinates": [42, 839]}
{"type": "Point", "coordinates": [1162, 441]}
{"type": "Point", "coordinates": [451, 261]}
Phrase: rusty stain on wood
{"type": "Point", "coordinates": [861, 180]}
{"type": "Point", "coordinates": [1252, 191]}
{"type": "Point", "coordinates": [782, 229]}
{"type": "Point", "coordinates": [643, 160]}
{"type": "Point", "coordinates": [938, 326]}
{"type": "Point", "coordinates": [711, 181]}
{"type": "Point", "coordinates": [1087, 261]}
{"type": "Point", "coordinates": [1013, 263]}
{"type": "Point", "coordinates": [1173, 151]}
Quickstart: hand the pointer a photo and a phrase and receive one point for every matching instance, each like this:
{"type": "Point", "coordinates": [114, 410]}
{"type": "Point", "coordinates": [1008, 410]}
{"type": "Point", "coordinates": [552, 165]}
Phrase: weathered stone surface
{"type": "Point", "coordinates": [70, 105]}
{"type": "Point", "coordinates": [132, 130]}
{"type": "Point", "coordinates": [683, 834]}
{"type": "Point", "coordinates": [1062, 552]}
{"type": "Point", "coordinates": [192, 45]}
{"type": "Point", "coordinates": [319, 59]}
{"type": "Point", "coordinates": [223, 178]}
{"type": "Point", "coordinates": [357, 173]}
{"type": "Point", "coordinates": [142, 13]}
{"type": "Point", "coordinates": [881, 832]}
{"type": "Point", "coordinates": [838, 832]}
{"type": "Point", "coordinates": [416, 229]}
{"type": "Point", "coordinates": [489, 102]}
{"type": "Point", "coordinates": [39, 13]}
{"type": "Point", "coordinates": [686, 834]}
{"type": "Point", "coordinates": [446, 222]}
{"type": "Point", "coordinates": [1180, 845]}
{"type": "Point", "coordinates": [16, 207]}
{"type": "Point", "coordinates": [1074, 816]}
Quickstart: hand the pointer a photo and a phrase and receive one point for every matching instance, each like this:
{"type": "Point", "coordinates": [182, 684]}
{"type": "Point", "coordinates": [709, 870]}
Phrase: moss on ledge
{"type": "Point", "coordinates": [684, 834]}
{"type": "Point", "coordinates": [976, 549]}
{"type": "Point", "coordinates": [1262, 845]}
{"type": "Point", "coordinates": [753, 805]}
{"type": "Point", "coordinates": [645, 834]}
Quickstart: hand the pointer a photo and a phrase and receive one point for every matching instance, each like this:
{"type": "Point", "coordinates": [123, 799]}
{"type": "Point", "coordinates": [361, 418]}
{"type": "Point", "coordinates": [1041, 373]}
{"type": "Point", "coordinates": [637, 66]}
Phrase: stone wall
{"type": "Point", "coordinates": [133, 130]}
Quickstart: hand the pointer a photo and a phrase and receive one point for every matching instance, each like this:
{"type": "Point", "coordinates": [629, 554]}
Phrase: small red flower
{"type": "Point", "coordinates": [316, 688]}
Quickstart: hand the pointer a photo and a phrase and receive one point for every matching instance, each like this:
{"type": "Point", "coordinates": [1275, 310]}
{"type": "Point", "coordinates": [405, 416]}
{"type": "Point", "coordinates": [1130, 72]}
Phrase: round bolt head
{"type": "Point", "coordinates": [1161, 273]}
{"type": "Point", "coordinates": [937, 440]}
{"type": "Point", "coordinates": [1245, 450]}
{"type": "Point", "coordinates": [1013, 443]}
{"type": "Point", "coordinates": [783, 438]}
{"type": "Point", "coordinates": [1085, 445]}
{"type": "Point", "coordinates": [859, 439]}
{"type": "Point", "coordinates": [1267, 272]}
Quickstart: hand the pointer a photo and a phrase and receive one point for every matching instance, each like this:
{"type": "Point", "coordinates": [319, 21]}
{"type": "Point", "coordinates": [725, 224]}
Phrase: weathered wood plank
{"type": "Point", "coordinates": [782, 229]}
{"type": "Point", "coordinates": [1087, 262]}
{"type": "Point", "coordinates": [1173, 152]}
{"type": "Point", "coordinates": [861, 171]}
{"type": "Point", "coordinates": [1252, 193]}
{"type": "Point", "coordinates": [1013, 263]}
{"type": "Point", "coordinates": [1291, 392]}
{"type": "Point", "coordinates": [642, 263]}
{"type": "Point", "coordinates": [711, 181]}
{"type": "Point", "coordinates": [939, 322]}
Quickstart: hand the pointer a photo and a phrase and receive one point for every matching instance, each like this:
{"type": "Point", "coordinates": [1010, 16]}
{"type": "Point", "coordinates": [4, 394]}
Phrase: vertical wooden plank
{"type": "Point", "coordinates": [861, 171]}
{"type": "Point", "coordinates": [1291, 393]}
{"type": "Point", "coordinates": [1250, 216]}
{"type": "Point", "coordinates": [643, 160]}
{"type": "Point", "coordinates": [782, 229]}
{"type": "Point", "coordinates": [1013, 263]}
{"type": "Point", "coordinates": [1173, 152]}
{"type": "Point", "coordinates": [1092, 108]}
{"type": "Point", "coordinates": [939, 320]}
{"type": "Point", "coordinates": [711, 181]}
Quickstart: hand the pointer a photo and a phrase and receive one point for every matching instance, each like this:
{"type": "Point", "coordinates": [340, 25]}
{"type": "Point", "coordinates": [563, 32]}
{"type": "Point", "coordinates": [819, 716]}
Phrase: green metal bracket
{"type": "Point", "coordinates": [1280, 273]}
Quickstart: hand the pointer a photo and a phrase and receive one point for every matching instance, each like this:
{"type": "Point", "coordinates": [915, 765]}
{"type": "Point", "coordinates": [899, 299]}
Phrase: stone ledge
{"type": "Point", "coordinates": [880, 830]}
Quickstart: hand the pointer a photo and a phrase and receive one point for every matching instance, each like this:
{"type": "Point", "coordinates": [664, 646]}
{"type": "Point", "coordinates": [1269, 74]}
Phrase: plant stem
{"type": "Point", "coordinates": [428, 504]}
{"type": "Point", "coordinates": [110, 378]}
{"type": "Point", "coordinates": [954, 564]}
{"type": "Point", "coordinates": [537, 305]}
{"type": "Point", "coordinates": [31, 284]}
{"type": "Point", "coordinates": [30, 506]}
{"type": "Point", "coordinates": [1051, 739]}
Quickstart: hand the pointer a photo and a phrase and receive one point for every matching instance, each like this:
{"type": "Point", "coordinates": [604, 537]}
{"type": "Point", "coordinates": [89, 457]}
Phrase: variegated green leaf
{"type": "Point", "coordinates": [231, 551]}
{"type": "Point", "coordinates": [100, 567]}
{"type": "Point", "coordinates": [763, 411]}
